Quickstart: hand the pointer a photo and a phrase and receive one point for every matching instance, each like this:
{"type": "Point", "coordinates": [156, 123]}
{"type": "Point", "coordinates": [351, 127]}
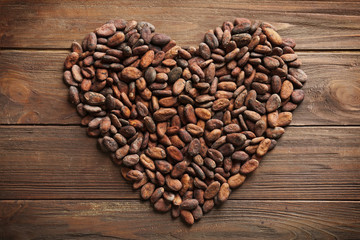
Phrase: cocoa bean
{"type": "Point", "coordinates": [156, 195]}
{"type": "Point", "coordinates": [110, 144]}
{"type": "Point", "coordinates": [160, 39]}
{"type": "Point", "coordinates": [187, 217]}
{"type": "Point", "coordinates": [93, 98]}
{"type": "Point", "coordinates": [249, 166]}
{"type": "Point", "coordinates": [174, 153]}
{"type": "Point", "coordinates": [194, 147]}
{"type": "Point", "coordinates": [224, 192]}
{"type": "Point", "coordinates": [131, 160]}
{"type": "Point", "coordinates": [135, 175]}
{"type": "Point", "coordinates": [162, 206]}
{"type": "Point", "coordinates": [122, 152]}
{"type": "Point", "coordinates": [164, 114]}
{"type": "Point", "coordinates": [189, 204]}
{"type": "Point", "coordinates": [273, 36]}
{"type": "Point", "coordinates": [212, 190]}
{"type": "Point", "coordinates": [236, 180]}
{"type": "Point", "coordinates": [173, 184]}
{"type": "Point", "coordinates": [147, 190]}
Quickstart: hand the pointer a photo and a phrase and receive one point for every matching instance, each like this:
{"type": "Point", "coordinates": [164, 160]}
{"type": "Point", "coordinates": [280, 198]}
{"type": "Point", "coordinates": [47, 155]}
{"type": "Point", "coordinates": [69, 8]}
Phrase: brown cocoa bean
{"type": "Point", "coordinates": [189, 204]}
{"type": "Point", "coordinates": [160, 39]}
{"type": "Point", "coordinates": [194, 130]}
{"type": "Point", "coordinates": [179, 169]}
{"type": "Point", "coordinates": [220, 104]}
{"type": "Point", "coordinates": [162, 206]}
{"type": "Point", "coordinates": [131, 160]}
{"type": "Point", "coordinates": [212, 190]}
{"type": "Point", "coordinates": [286, 90]}
{"type": "Point", "coordinates": [110, 144]}
{"type": "Point", "coordinates": [263, 147]}
{"type": "Point", "coordinates": [240, 156]}
{"type": "Point", "coordinates": [93, 98]}
{"type": "Point", "coordinates": [187, 217]}
{"type": "Point", "coordinates": [174, 153]}
{"type": "Point", "coordinates": [273, 36]}
{"type": "Point", "coordinates": [237, 139]}
{"type": "Point", "coordinates": [147, 190]}
{"type": "Point", "coordinates": [203, 113]}
{"type": "Point", "coordinates": [236, 180]}
{"type": "Point", "coordinates": [273, 103]}
{"type": "Point", "coordinates": [135, 175]}
{"type": "Point", "coordinates": [284, 119]}
{"type": "Point", "coordinates": [116, 39]}
{"type": "Point", "coordinates": [249, 166]}
{"type": "Point", "coordinates": [224, 192]}
{"type": "Point", "coordinates": [297, 96]}
{"type": "Point", "coordinates": [173, 184]}
{"type": "Point", "coordinates": [164, 114]}
{"type": "Point", "coordinates": [215, 155]}
{"type": "Point", "coordinates": [131, 73]}
{"type": "Point", "coordinates": [163, 166]}
{"type": "Point", "coordinates": [194, 147]}
{"type": "Point", "coordinates": [147, 59]}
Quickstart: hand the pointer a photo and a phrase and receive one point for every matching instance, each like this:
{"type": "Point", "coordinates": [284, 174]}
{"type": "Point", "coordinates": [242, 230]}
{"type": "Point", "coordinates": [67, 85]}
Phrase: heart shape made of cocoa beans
{"type": "Point", "coordinates": [185, 125]}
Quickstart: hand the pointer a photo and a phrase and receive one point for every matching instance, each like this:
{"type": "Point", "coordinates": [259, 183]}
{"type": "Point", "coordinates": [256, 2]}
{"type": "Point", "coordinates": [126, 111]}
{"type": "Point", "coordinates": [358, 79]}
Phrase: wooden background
{"type": "Point", "coordinates": [55, 184]}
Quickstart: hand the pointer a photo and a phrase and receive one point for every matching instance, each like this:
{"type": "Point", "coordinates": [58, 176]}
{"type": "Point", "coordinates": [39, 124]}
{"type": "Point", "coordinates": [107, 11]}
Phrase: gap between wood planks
{"type": "Point", "coordinates": [303, 50]}
{"type": "Point", "coordinates": [138, 199]}
{"type": "Point", "coordinates": [75, 125]}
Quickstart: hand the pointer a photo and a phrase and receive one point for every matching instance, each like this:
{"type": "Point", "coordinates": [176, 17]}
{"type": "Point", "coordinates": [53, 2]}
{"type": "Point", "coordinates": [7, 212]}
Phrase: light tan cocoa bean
{"type": "Point", "coordinates": [263, 147]}
{"type": "Point", "coordinates": [236, 180]}
{"type": "Point", "coordinates": [273, 36]}
{"type": "Point", "coordinates": [224, 192]}
{"type": "Point", "coordinates": [286, 89]}
{"type": "Point", "coordinates": [249, 166]}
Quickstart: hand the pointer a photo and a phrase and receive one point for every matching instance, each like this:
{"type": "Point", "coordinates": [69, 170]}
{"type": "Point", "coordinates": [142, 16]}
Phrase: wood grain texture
{"type": "Point", "coordinates": [136, 220]}
{"type": "Point", "coordinates": [307, 188]}
{"type": "Point", "coordinates": [32, 90]}
{"type": "Point", "coordinates": [51, 162]}
{"type": "Point", "coordinates": [53, 24]}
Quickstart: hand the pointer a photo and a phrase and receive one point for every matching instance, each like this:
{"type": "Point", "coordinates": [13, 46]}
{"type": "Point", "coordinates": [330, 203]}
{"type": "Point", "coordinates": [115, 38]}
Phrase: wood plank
{"type": "Point", "coordinates": [52, 162]}
{"type": "Point", "coordinates": [54, 24]}
{"type": "Point", "coordinates": [136, 220]}
{"type": "Point", "coordinates": [32, 91]}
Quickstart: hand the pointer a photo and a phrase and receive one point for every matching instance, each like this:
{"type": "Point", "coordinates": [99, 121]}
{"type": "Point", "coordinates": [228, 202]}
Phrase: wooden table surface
{"type": "Point", "coordinates": [55, 184]}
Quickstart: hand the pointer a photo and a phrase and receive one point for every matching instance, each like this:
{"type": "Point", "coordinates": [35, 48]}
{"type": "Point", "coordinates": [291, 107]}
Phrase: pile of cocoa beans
{"type": "Point", "coordinates": [185, 125]}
